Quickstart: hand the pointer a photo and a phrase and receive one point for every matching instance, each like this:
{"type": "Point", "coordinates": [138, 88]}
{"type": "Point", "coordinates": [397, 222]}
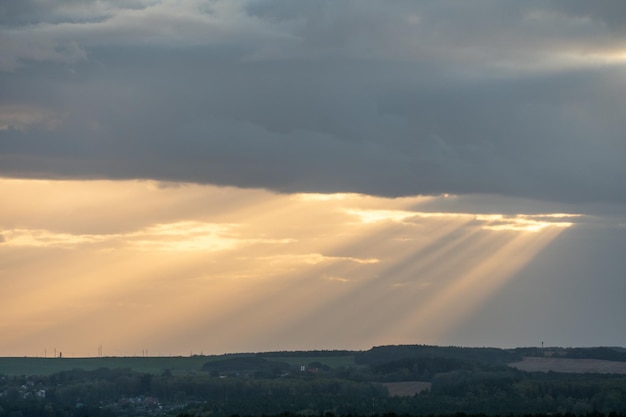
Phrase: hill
{"type": "Point", "coordinates": [405, 379]}
{"type": "Point", "coordinates": [565, 365]}
{"type": "Point", "coordinates": [383, 359]}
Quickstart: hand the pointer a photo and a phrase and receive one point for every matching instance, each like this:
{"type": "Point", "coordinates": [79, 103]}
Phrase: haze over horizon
{"type": "Point", "coordinates": [253, 175]}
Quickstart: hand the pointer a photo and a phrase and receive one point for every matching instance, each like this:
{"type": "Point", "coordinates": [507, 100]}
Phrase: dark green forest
{"type": "Point", "coordinates": [477, 381]}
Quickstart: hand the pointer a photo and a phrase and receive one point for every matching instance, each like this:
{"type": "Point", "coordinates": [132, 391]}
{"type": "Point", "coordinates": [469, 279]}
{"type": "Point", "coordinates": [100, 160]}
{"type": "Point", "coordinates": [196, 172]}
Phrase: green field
{"type": "Point", "coordinates": [179, 365]}
{"type": "Point", "coordinates": [153, 365]}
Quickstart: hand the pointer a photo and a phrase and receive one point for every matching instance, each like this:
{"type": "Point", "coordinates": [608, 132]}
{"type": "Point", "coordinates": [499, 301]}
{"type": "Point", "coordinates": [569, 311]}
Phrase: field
{"type": "Point", "coordinates": [152, 365]}
{"type": "Point", "coordinates": [178, 365]}
{"type": "Point", "coordinates": [533, 364]}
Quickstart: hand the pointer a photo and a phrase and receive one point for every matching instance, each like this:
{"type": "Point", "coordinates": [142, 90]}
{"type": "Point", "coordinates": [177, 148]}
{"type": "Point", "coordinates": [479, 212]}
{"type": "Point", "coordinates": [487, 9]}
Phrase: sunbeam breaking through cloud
{"type": "Point", "coordinates": [263, 271]}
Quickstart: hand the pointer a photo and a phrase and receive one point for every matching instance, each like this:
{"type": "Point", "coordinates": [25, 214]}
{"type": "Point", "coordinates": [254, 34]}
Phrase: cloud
{"type": "Point", "coordinates": [46, 238]}
{"type": "Point", "coordinates": [192, 236]}
{"type": "Point", "coordinates": [495, 222]}
{"type": "Point", "coordinates": [405, 98]}
{"type": "Point", "coordinates": [25, 117]}
{"type": "Point", "coordinates": [315, 258]}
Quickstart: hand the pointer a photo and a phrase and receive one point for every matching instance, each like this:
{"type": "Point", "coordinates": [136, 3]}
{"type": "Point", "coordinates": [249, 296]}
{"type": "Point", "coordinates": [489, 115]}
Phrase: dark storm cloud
{"type": "Point", "coordinates": [612, 13]}
{"type": "Point", "coordinates": [390, 98]}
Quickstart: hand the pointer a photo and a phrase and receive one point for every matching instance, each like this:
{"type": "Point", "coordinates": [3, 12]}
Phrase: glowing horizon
{"type": "Point", "coordinates": [132, 265]}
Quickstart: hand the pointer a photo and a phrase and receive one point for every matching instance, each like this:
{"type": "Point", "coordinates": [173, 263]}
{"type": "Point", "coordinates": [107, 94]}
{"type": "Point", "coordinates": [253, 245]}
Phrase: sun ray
{"type": "Point", "coordinates": [455, 302]}
{"type": "Point", "coordinates": [225, 269]}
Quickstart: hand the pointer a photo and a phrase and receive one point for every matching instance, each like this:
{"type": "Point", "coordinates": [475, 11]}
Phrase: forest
{"type": "Point", "coordinates": [477, 381]}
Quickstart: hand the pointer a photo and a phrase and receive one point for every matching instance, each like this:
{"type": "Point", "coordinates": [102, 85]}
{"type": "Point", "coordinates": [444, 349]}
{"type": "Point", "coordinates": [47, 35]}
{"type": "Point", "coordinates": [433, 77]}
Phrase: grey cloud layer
{"type": "Point", "coordinates": [391, 98]}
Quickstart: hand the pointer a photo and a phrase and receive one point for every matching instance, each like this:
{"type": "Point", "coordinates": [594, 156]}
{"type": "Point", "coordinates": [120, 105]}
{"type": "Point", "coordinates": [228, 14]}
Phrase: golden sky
{"type": "Point", "coordinates": [180, 268]}
{"type": "Point", "coordinates": [501, 128]}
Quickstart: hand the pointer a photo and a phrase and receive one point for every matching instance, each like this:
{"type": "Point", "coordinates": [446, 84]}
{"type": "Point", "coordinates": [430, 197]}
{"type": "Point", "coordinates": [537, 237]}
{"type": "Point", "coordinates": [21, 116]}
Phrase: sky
{"type": "Point", "coordinates": [210, 176]}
